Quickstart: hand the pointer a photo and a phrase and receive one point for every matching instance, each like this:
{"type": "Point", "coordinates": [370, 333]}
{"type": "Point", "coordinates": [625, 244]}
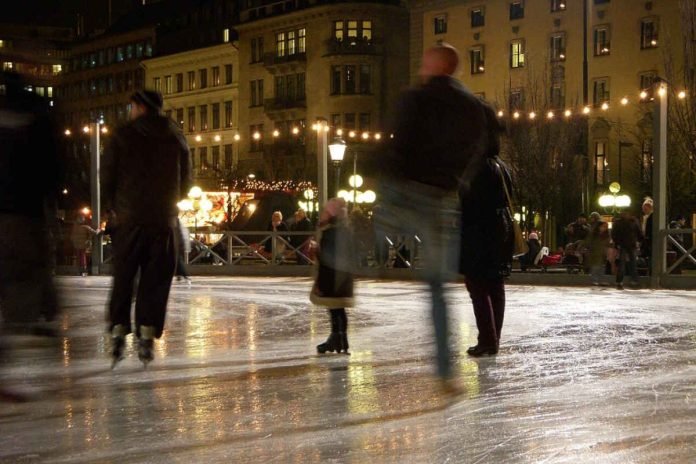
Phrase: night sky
{"type": "Point", "coordinates": [63, 12]}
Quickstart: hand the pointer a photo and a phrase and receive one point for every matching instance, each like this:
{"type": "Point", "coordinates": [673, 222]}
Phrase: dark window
{"type": "Point", "coordinates": [180, 117]}
{"type": "Point", "coordinates": [228, 156]}
{"type": "Point", "coordinates": [253, 93]}
{"type": "Point", "coordinates": [216, 115]}
{"type": "Point", "coordinates": [349, 120]}
{"type": "Point", "coordinates": [192, 119]}
{"type": "Point", "coordinates": [600, 163]}
{"type": "Point", "coordinates": [477, 61]}
{"type": "Point", "coordinates": [203, 76]}
{"type": "Point", "coordinates": [216, 76]}
{"type": "Point", "coordinates": [335, 80]}
{"type": "Point", "coordinates": [558, 47]}
{"type": "Point", "coordinates": [203, 113]}
{"type": "Point", "coordinates": [646, 163]}
{"type": "Point", "coordinates": [602, 44]}
{"type": "Point", "coordinates": [179, 83]}
{"type": "Point", "coordinates": [558, 5]}
{"type": "Point", "coordinates": [203, 154]}
{"type": "Point", "coordinates": [599, 2]}
{"type": "Point", "coordinates": [280, 82]}
{"type": "Point", "coordinates": [647, 80]}
{"type": "Point", "coordinates": [301, 86]}
{"type": "Point", "coordinates": [336, 120]}
{"type": "Point", "coordinates": [648, 33]}
{"type": "Point", "coordinates": [216, 156]}
{"type": "Point", "coordinates": [365, 79]}
{"type": "Point", "coordinates": [601, 91]}
{"type": "Point", "coordinates": [440, 24]}
{"type": "Point", "coordinates": [477, 17]}
{"type": "Point", "coordinates": [350, 79]}
{"type": "Point", "coordinates": [516, 10]}
{"type": "Point", "coordinates": [557, 96]}
{"type": "Point", "coordinates": [228, 113]}
{"type": "Point", "coordinates": [193, 158]}
{"type": "Point", "coordinates": [228, 74]}
{"type": "Point", "coordinates": [364, 122]}
{"type": "Point", "coordinates": [516, 99]}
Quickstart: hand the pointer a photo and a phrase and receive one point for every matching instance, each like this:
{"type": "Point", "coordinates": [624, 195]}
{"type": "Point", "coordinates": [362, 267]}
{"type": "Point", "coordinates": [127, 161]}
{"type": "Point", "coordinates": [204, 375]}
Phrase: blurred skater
{"type": "Point", "coordinates": [184, 249]}
{"type": "Point", "coordinates": [28, 196]}
{"type": "Point", "coordinates": [146, 170]}
{"type": "Point", "coordinates": [333, 287]}
{"type": "Point", "coordinates": [438, 140]}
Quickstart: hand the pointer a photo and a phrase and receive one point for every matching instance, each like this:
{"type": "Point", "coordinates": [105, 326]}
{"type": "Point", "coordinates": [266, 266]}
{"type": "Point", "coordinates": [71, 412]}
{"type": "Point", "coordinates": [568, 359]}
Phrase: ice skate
{"type": "Point", "coordinates": [146, 343]}
{"type": "Point", "coordinates": [118, 343]}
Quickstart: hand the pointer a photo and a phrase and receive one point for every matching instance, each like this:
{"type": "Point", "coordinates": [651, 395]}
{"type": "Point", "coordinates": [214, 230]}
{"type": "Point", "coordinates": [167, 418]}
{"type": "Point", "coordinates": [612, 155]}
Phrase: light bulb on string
{"type": "Point", "coordinates": [568, 113]}
{"type": "Point", "coordinates": [516, 115]}
{"type": "Point", "coordinates": [500, 113]}
{"type": "Point", "coordinates": [681, 95]}
{"type": "Point", "coordinates": [549, 115]}
{"type": "Point", "coordinates": [624, 101]}
{"type": "Point", "coordinates": [586, 110]}
{"type": "Point", "coordinates": [605, 106]}
{"type": "Point", "coordinates": [532, 115]}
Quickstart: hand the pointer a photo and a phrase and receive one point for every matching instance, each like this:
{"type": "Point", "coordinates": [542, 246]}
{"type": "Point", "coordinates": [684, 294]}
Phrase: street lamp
{"type": "Point", "coordinates": [614, 201]}
{"type": "Point", "coordinates": [337, 150]}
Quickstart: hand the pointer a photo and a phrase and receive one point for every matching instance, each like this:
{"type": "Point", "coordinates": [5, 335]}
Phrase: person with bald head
{"type": "Point", "coordinates": [440, 136]}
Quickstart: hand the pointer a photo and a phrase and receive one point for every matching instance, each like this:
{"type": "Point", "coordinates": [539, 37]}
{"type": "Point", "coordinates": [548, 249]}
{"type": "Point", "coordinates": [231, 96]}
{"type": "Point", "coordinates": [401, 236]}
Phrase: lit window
{"type": "Point", "coordinates": [7, 66]}
{"type": "Point", "coordinates": [338, 30]}
{"type": "Point", "coordinates": [57, 68]}
{"type": "Point", "coordinates": [49, 92]}
{"type": "Point", "coordinates": [280, 44]}
{"type": "Point", "coordinates": [302, 40]}
{"type": "Point", "coordinates": [558, 5]}
{"type": "Point", "coordinates": [558, 47]}
{"type": "Point", "coordinates": [2, 43]}
{"type": "Point", "coordinates": [225, 35]}
{"type": "Point", "coordinates": [367, 30]}
{"type": "Point", "coordinates": [517, 54]}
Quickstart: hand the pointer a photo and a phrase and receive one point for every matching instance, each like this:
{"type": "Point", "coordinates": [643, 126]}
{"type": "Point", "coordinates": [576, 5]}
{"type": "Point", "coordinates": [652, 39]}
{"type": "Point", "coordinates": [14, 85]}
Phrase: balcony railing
{"type": "Point", "coordinates": [279, 104]}
{"type": "Point", "coordinates": [272, 59]}
{"type": "Point", "coordinates": [351, 45]}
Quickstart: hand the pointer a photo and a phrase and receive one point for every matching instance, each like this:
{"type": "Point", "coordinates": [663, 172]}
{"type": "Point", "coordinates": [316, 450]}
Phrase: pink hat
{"type": "Point", "coordinates": [336, 207]}
{"type": "Point", "coordinates": [533, 236]}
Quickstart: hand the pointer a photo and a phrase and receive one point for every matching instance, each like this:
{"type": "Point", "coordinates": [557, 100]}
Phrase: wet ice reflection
{"type": "Point", "coordinates": [584, 376]}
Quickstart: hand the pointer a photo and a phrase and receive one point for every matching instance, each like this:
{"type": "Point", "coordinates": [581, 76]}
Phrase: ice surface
{"type": "Point", "coordinates": [584, 376]}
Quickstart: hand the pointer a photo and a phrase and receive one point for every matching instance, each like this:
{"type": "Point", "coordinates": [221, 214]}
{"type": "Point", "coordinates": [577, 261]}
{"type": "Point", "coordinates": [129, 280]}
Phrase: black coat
{"type": "Point", "coordinates": [626, 232]}
{"type": "Point", "coordinates": [438, 129]}
{"type": "Point", "coordinates": [333, 287]}
{"type": "Point", "coordinates": [146, 171]}
{"type": "Point", "coordinates": [487, 237]}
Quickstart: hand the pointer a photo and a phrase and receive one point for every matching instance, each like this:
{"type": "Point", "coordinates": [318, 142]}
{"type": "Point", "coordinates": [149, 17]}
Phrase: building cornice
{"type": "Point", "coordinates": [199, 55]}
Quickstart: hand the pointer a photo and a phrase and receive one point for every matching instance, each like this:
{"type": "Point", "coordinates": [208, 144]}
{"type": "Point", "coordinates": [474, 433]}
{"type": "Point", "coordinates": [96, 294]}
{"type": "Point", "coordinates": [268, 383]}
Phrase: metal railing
{"type": "Point", "coordinates": [675, 242]}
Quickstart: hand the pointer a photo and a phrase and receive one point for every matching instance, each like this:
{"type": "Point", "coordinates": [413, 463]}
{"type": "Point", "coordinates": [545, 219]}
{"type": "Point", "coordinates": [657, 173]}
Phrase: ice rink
{"type": "Point", "coordinates": [585, 375]}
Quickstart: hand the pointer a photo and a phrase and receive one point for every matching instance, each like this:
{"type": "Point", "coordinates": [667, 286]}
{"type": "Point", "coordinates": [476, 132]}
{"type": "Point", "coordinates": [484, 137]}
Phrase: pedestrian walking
{"type": "Point", "coordinates": [487, 242]}
{"type": "Point", "coordinates": [626, 233]}
{"type": "Point", "coordinates": [439, 138]}
{"type": "Point", "coordinates": [146, 170]}
{"type": "Point", "coordinates": [28, 196]}
{"type": "Point", "coordinates": [333, 286]}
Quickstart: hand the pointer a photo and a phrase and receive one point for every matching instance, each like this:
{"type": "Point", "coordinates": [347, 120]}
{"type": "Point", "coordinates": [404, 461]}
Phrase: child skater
{"type": "Point", "coordinates": [333, 287]}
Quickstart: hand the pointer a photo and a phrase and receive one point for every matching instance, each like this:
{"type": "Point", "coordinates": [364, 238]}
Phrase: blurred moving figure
{"type": "Point", "coordinates": [29, 183]}
{"type": "Point", "coordinates": [81, 236]}
{"type": "Point", "coordinates": [439, 139]}
{"type": "Point", "coordinates": [146, 170]}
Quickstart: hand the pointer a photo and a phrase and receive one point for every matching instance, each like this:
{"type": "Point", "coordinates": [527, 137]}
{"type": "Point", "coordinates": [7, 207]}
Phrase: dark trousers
{"type": "Point", "coordinates": [488, 298]}
{"type": "Point", "coordinates": [152, 250]}
{"type": "Point", "coordinates": [627, 264]}
{"type": "Point", "coordinates": [27, 293]}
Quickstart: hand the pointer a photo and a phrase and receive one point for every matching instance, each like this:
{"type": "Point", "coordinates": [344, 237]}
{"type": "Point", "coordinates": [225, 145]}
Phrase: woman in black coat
{"type": "Point", "coordinates": [487, 240]}
{"type": "Point", "coordinates": [333, 287]}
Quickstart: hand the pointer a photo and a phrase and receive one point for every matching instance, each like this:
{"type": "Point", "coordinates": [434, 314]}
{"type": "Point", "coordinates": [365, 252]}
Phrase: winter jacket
{"type": "Point", "coordinates": [146, 170]}
{"type": "Point", "coordinates": [29, 164]}
{"type": "Point", "coordinates": [439, 128]}
{"type": "Point", "coordinates": [333, 286]}
{"type": "Point", "coordinates": [626, 232]}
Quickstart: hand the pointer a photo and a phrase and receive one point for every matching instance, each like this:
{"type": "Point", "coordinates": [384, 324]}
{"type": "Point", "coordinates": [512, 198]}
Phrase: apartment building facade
{"type": "Point", "coordinates": [200, 89]}
{"type": "Point", "coordinates": [528, 56]}
{"type": "Point", "coordinates": [303, 60]}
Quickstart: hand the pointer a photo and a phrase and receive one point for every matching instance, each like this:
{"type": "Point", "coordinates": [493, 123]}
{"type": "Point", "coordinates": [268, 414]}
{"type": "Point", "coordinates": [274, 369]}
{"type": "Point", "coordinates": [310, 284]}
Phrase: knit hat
{"type": "Point", "coordinates": [149, 98]}
{"type": "Point", "coordinates": [533, 236]}
{"type": "Point", "coordinates": [336, 207]}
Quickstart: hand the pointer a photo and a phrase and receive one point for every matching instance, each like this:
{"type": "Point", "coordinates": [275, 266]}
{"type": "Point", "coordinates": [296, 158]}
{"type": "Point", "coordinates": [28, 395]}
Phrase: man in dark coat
{"type": "Point", "coordinates": [626, 233]}
{"type": "Point", "coordinates": [146, 171]}
{"type": "Point", "coordinates": [29, 184]}
{"type": "Point", "coordinates": [487, 241]}
{"type": "Point", "coordinates": [439, 135]}
{"type": "Point", "coordinates": [301, 242]}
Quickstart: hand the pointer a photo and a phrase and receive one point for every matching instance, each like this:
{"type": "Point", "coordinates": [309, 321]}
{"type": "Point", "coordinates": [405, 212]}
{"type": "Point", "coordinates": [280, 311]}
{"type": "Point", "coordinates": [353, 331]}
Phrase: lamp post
{"type": "Point", "coordinates": [95, 130]}
{"type": "Point", "coordinates": [337, 151]}
{"type": "Point", "coordinates": [614, 201]}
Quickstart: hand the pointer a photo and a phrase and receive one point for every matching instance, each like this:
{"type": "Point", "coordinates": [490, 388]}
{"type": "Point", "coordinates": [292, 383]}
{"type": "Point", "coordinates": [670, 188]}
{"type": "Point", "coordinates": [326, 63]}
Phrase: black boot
{"type": "Point", "coordinates": [146, 343]}
{"type": "Point", "coordinates": [118, 343]}
{"type": "Point", "coordinates": [333, 343]}
{"type": "Point", "coordinates": [343, 329]}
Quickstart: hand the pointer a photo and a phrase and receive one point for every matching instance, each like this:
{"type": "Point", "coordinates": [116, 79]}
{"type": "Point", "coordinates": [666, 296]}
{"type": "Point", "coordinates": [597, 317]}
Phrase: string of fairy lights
{"type": "Point", "coordinates": [377, 136]}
